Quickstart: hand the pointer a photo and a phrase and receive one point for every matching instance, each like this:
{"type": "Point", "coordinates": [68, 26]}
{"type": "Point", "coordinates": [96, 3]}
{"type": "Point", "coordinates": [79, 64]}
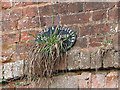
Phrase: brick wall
{"type": "Point", "coordinates": [103, 79]}
{"type": "Point", "coordinates": [93, 20]}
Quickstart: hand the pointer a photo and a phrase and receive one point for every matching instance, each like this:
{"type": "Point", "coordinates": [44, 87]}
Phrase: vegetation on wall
{"type": "Point", "coordinates": [45, 55]}
{"type": "Point", "coordinates": [106, 44]}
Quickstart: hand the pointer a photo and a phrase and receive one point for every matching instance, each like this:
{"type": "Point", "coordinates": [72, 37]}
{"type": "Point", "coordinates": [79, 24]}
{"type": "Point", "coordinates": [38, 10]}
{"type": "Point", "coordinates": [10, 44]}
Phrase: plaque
{"type": "Point", "coordinates": [62, 32]}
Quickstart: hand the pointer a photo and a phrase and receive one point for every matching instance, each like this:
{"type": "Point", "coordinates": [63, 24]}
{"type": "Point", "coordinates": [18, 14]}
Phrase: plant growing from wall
{"type": "Point", "coordinates": [49, 50]}
{"type": "Point", "coordinates": [105, 45]}
{"type": "Point", "coordinates": [44, 56]}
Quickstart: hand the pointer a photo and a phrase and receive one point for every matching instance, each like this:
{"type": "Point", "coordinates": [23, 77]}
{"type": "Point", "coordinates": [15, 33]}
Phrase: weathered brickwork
{"type": "Point", "coordinates": [92, 20]}
{"type": "Point", "coordinates": [77, 60]}
{"type": "Point", "coordinates": [101, 79]}
{"type": "Point", "coordinates": [82, 60]}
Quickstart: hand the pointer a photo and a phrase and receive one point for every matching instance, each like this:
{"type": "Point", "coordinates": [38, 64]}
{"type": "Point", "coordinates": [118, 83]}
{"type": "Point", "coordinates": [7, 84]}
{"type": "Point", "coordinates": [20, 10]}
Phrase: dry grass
{"type": "Point", "coordinates": [38, 67]}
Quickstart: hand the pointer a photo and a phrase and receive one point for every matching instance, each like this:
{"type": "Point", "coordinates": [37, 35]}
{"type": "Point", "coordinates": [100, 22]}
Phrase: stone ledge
{"type": "Point", "coordinates": [77, 60]}
{"type": "Point", "coordinates": [12, 69]}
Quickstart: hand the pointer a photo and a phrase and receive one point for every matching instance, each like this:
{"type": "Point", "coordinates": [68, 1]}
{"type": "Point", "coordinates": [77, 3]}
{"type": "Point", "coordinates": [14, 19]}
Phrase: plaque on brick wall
{"type": "Point", "coordinates": [62, 32]}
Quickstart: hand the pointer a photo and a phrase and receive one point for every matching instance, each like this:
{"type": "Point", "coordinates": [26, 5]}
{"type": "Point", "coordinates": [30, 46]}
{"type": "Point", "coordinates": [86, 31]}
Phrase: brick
{"type": "Point", "coordinates": [113, 14]}
{"type": "Point", "coordinates": [109, 4]}
{"type": "Point", "coordinates": [111, 80]}
{"type": "Point", "coordinates": [84, 60]}
{"type": "Point", "coordinates": [93, 6]}
{"type": "Point", "coordinates": [7, 4]}
{"type": "Point", "coordinates": [99, 15]}
{"type": "Point", "coordinates": [75, 7]}
{"type": "Point", "coordinates": [27, 23]}
{"type": "Point", "coordinates": [27, 46]}
{"type": "Point", "coordinates": [96, 61]}
{"type": "Point", "coordinates": [59, 81]}
{"type": "Point", "coordinates": [0, 29]}
{"type": "Point", "coordinates": [22, 50]}
{"type": "Point", "coordinates": [1, 72]}
{"type": "Point", "coordinates": [116, 60]}
{"type": "Point", "coordinates": [0, 18]}
{"type": "Point", "coordinates": [28, 2]}
{"type": "Point", "coordinates": [46, 10]}
{"type": "Point", "coordinates": [8, 25]}
{"type": "Point", "coordinates": [87, 30]}
{"type": "Point", "coordinates": [26, 37]}
{"type": "Point", "coordinates": [30, 11]}
{"type": "Point", "coordinates": [0, 7]}
{"type": "Point", "coordinates": [5, 15]}
{"type": "Point", "coordinates": [73, 59]}
{"type": "Point", "coordinates": [108, 59]}
{"type": "Point", "coordinates": [7, 49]}
{"type": "Point", "coordinates": [85, 80]}
{"type": "Point", "coordinates": [22, 87]}
{"type": "Point", "coordinates": [21, 4]}
{"type": "Point", "coordinates": [102, 28]}
{"type": "Point", "coordinates": [118, 4]}
{"type": "Point", "coordinates": [118, 79]}
{"type": "Point", "coordinates": [15, 14]}
{"type": "Point", "coordinates": [81, 42]}
{"type": "Point", "coordinates": [75, 19]}
{"type": "Point", "coordinates": [18, 68]}
{"type": "Point", "coordinates": [90, 49]}
{"type": "Point", "coordinates": [61, 8]}
{"type": "Point", "coordinates": [13, 69]}
{"type": "Point", "coordinates": [116, 42]}
{"type": "Point", "coordinates": [15, 57]}
{"type": "Point", "coordinates": [93, 42]}
{"type": "Point", "coordinates": [48, 21]}
{"type": "Point", "coordinates": [64, 81]}
{"type": "Point", "coordinates": [8, 71]}
{"type": "Point", "coordinates": [72, 82]}
{"type": "Point", "coordinates": [43, 21]}
{"type": "Point", "coordinates": [98, 80]}
{"type": "Point", "coordinates": [10, 38]}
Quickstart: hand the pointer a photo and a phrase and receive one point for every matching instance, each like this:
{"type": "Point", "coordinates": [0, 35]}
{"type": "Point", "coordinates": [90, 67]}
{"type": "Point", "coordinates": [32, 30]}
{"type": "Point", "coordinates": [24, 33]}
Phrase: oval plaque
{"type": "Point", "coordinates": [62, 33]}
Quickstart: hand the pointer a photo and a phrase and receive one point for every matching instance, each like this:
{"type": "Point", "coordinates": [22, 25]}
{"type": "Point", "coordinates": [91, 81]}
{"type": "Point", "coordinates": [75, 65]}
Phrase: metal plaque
{"type": "Point", "coordinates": [62, 32]}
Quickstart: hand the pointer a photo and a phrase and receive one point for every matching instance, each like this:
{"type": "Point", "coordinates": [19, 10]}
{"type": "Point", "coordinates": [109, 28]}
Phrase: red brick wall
{"type": "Point", "coordinates": [93, 20]}
{"type": "Point", "coordinates": [86, 80]}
